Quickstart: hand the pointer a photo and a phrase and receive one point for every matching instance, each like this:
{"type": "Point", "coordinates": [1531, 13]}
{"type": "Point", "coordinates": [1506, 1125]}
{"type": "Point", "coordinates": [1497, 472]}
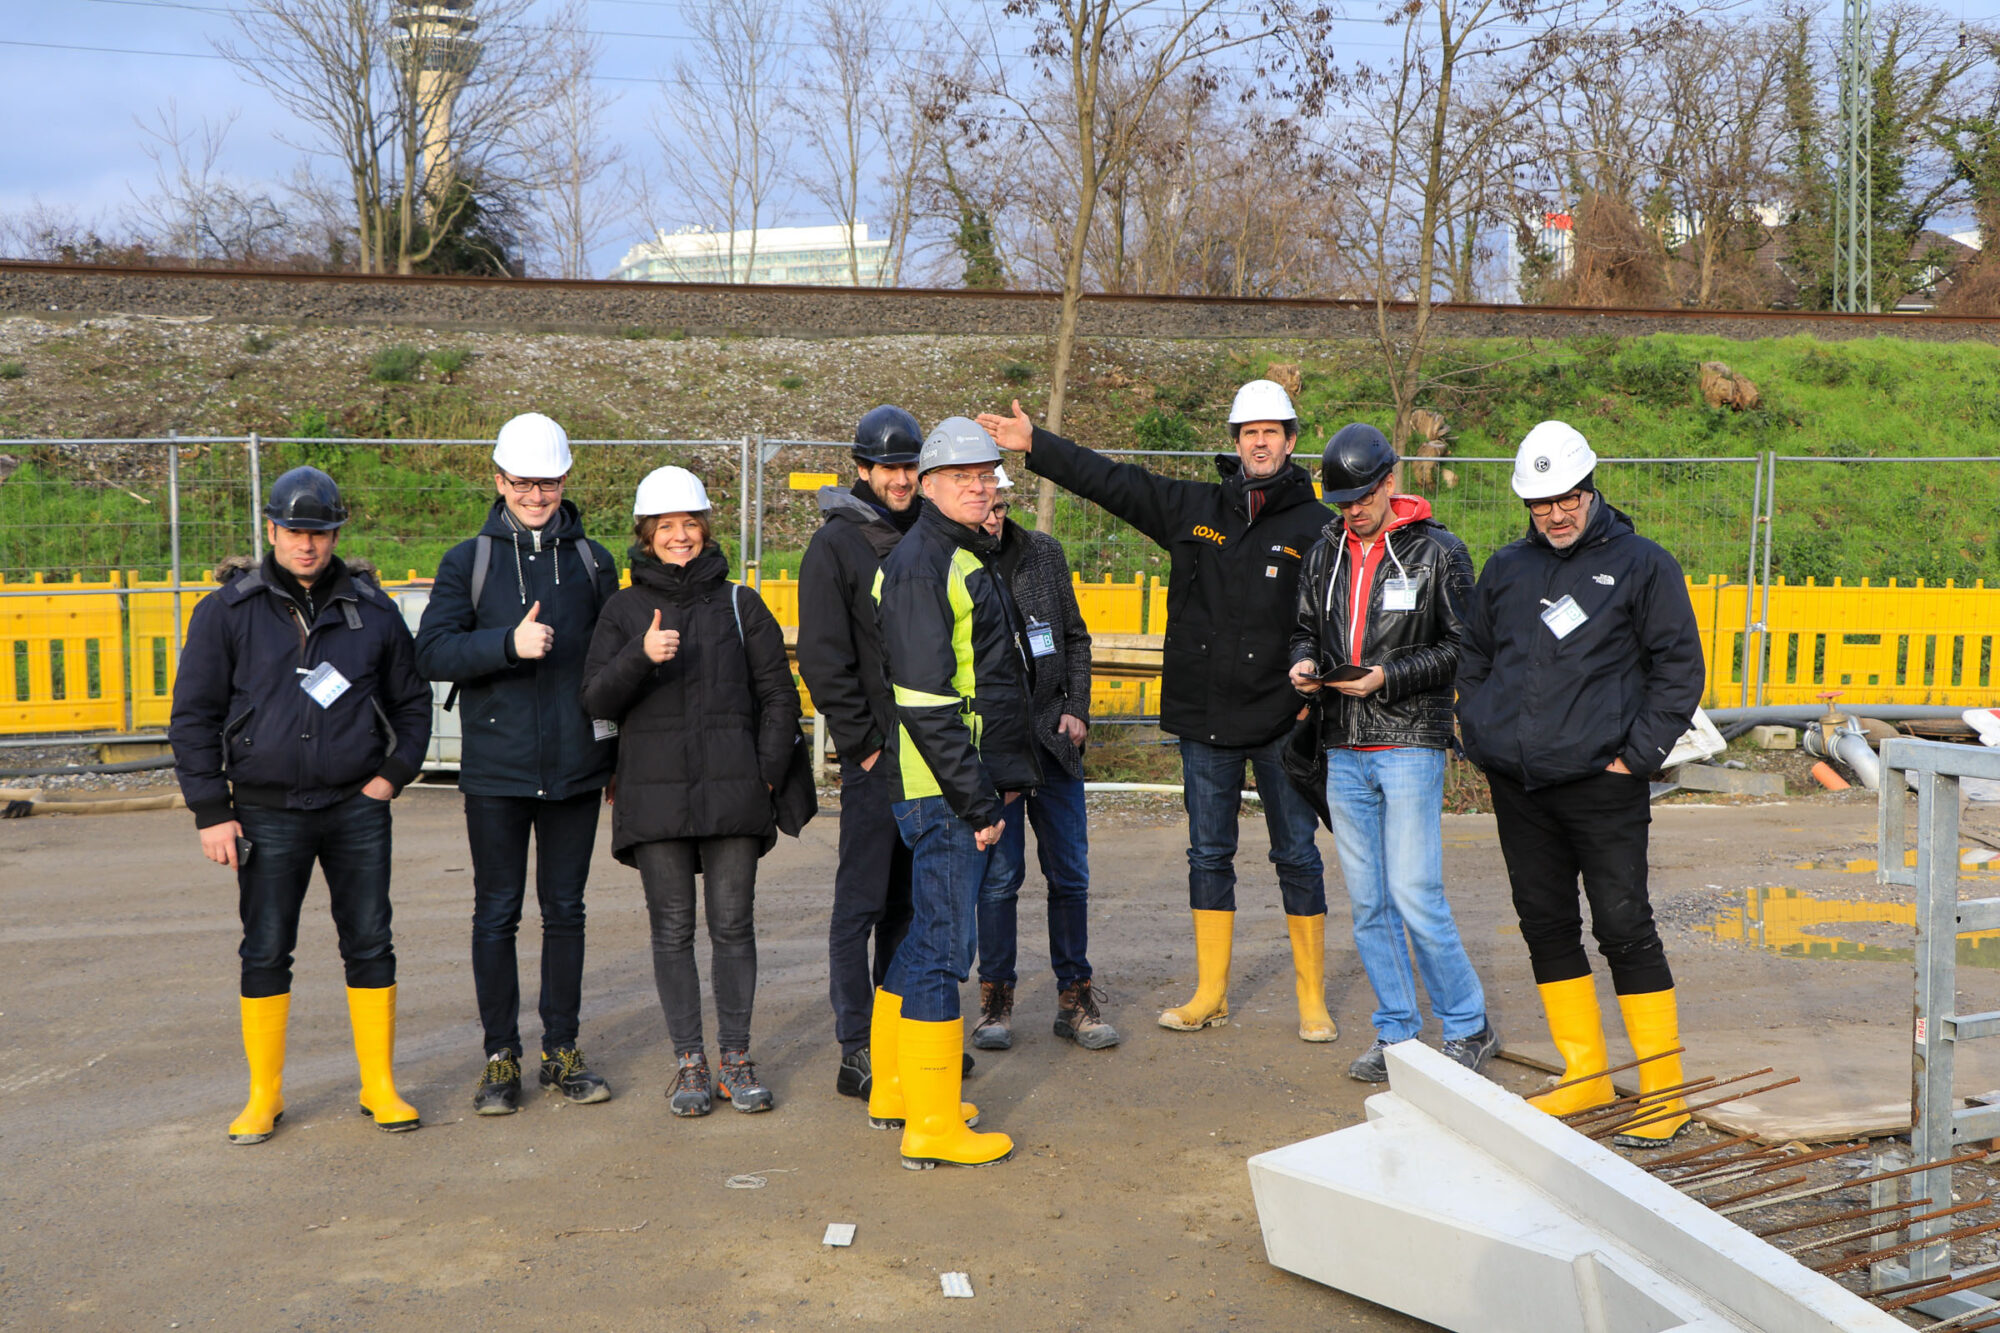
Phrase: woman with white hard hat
{"type": "Point", "coordinates": [691, 668]}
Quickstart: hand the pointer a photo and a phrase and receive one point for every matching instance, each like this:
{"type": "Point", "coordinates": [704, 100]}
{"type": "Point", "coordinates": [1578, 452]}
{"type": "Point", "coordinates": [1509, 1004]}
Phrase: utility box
{"type": "Point", "coordinates": [1775, 738]}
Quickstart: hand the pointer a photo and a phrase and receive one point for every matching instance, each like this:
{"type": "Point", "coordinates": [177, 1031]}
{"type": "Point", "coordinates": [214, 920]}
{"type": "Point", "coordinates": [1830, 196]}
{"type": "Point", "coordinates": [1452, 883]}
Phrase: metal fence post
{"type": "Point", "coordinates": [1750, 575]}
{"type": "Point", "coordinates": [1764, 616]}
{"type": "Point", "coordinates": [256, 492]}
{"type": "Point", "coordinates": [746, 451]}
{"type": "Point", "coordinates": [174, 530]}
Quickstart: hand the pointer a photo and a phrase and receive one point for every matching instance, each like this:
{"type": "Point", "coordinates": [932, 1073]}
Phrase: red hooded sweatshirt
{"type": "Point", "coordinates": [1403, 511]}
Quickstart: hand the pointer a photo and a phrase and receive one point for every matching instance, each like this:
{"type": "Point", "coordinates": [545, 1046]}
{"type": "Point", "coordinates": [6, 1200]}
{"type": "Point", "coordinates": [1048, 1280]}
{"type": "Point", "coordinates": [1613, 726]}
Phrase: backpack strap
{"type": "Point", "coordinates": [737, 607]}
{"type": "Point", "coordinates": [482, 559]}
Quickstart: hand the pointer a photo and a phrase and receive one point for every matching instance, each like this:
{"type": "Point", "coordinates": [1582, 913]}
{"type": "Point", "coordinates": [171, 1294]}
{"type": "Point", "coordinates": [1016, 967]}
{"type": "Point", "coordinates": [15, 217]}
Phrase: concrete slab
{"type": "Point", "coordinates": [1460, 1204]}
{"type": "Point", "coordinates": [1739, 781]}
{"type": "Point", "coordinates": [1775, 738]}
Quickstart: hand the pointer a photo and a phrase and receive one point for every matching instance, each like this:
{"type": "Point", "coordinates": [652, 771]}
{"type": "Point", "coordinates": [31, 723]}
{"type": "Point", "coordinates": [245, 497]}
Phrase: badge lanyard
{"type": "Point", "coordinates": [1562, 615]}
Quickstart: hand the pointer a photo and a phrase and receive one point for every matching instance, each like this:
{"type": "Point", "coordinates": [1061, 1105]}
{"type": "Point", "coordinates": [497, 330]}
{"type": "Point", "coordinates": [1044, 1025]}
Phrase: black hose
{"type": "Point", "coordinates": [123, 766]}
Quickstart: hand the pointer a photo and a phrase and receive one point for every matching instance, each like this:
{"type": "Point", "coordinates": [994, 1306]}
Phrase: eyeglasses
{"type": "Point", "coordinates": [965, 480]}
{"type": "Point", "coordinates": [525, 485]}
{"type": "Point", "coordinates": [999, 507]}
{"type": "Point", "coordinates": [1567, 503]}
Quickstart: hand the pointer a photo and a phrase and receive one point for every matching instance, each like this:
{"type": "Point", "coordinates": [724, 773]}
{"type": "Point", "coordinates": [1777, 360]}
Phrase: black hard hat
{"type": "Point", "coordinates": [888, 435]}
{"type": "Point", "coordinates": [306, 499]}
{"type": "Point", "coordinates": [1357, 458]}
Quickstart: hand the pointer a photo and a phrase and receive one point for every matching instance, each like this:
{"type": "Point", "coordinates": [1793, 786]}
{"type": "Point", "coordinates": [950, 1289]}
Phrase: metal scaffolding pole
{"type": "Point", "coordinates": [1853, 193]}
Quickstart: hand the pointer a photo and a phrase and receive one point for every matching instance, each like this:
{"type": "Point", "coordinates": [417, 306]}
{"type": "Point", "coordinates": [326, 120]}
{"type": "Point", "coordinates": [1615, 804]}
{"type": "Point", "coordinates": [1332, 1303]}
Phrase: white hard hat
{"type": "Point", "coordinates": [1553, 458]}
{"type": "Point", "coordinates": [670, 490]}
{"type": "Point", "coordinates": [954, 442]}
{"type": "Point", "coordinates": [1262, 400]}
{"type": "Point", "coordinates": [531, 445]}
{"type": "Point", "coordinates": [1001, 473]}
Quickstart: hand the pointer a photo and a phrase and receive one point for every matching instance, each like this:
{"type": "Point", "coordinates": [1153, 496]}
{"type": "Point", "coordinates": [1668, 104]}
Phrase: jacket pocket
{"type": "Point", "coordinates": [236, 738]}
{"type": "Point", "coordinates": [1002, 732]}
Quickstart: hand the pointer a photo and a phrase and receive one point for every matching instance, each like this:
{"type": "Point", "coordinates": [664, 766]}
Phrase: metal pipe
{"type": "Point", "coordinates": [174, 534]}
{"type": "Point", "coordinates": [1764, 615]}
{"type": "Point", "coordinates": [256, 493]}
{"type": "Point", "coordinates": [757, 453]}
{"type": "Point", "coordinates": [1797, 714]}
{"type": "Point", "coordinates": [1750, 576]}
{"type": "Point", "coordinates": [743, 504]}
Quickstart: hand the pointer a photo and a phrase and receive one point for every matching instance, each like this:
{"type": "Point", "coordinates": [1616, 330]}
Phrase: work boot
{"type": "Point", "coordinates": [1371, 1066]}
{"type": "Point", "coordinates": [499, 1090]}
{"type": "Point", "coordinates": [1473, 1052]}
{"type": "Point", "coordinates": [689, 1094]}
{"type": "Point", "coordinates": [1078, 1020]}
{"type": "Point", "coordinates": [1309, 976]}
{"type": "Point", "coordinates": [1213, 933]}
{"type": "Point", "coordinates": [372, 1011]}
{"type": "Point", "coordinates": [565, 1070]}
{"type": "Point", "coordinates": [737, 1083]}
{"type": "Point", "coordinates": [885, 1092]}
{"type": "Point", "coordinates": [1577, 1027]}
{"type": "Point", "coordinates": [264, 1019]}
{"type": "Point", "coordinates": [1652, 1023]}
{"type": "Point", "coordinates": [855, 1076]}
{"type": "Point", "coordinates": [937, 1132]}
{"type": "Point", "coordinates": [995, 1030]}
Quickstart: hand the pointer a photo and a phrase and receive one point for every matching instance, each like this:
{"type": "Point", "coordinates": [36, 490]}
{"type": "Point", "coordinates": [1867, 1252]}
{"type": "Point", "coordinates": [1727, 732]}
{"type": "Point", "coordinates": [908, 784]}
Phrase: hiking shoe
{"type": "Point", "coordinates": [565, 1071]}
{"type": "Point", "coordinates": [1078, 1020]}
{"type": "Point", "coordinates": [689, 1095]}
{"type": "Point", "coordinates": [499, 1090]}
{"type": "Point", "coordinates": [1473, 1052]}
{"type": "Point", "coordinates": [1370, 1066]}
{"type": "Point", "coordinates": [739, 1085]}
{"type": "Point", "coordinates": [995, 1030]}
{"type": "Point", "coordinates": [857, 1075]}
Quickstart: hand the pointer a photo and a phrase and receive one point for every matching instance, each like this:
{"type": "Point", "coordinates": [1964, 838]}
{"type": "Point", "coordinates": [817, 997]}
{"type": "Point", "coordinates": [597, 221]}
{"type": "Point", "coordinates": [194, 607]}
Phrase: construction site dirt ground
{"type": "Point", "coordinates": [1126, 1205]}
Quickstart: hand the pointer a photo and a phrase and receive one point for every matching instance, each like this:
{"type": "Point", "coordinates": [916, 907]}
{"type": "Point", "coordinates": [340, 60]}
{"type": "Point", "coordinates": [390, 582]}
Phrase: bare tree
{"type": "Point", "coordinates": [724, 137]}
{"type": "Point", "coordinates": [837, 94]}
{"type": "Point", "coordinates": [194, 212]}
{"type": "Point", "coordinates": [576, 208]}
{"type": "Point", "coordinates": [1101, 65]}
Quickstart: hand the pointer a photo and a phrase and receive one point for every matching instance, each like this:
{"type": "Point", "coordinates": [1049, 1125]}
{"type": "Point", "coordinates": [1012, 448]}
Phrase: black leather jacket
{"type": "Point", "coordinates": [1417, 649]}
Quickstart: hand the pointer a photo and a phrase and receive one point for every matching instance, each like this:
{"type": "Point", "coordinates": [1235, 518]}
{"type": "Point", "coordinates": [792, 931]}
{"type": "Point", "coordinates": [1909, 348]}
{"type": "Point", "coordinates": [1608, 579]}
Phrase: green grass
{"type": "Point", "coordinates": [12, 370]}
{"type": "Point", "coordinates": [395, 364]}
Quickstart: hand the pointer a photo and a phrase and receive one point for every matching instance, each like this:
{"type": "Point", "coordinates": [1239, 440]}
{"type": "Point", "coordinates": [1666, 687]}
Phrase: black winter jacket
{"type": "Point", "coordinates": [1037, 573]}
{"type": "Point", "coordinates": [1623, 684]}
{"type": "Point", "coordinates": [1417, 649]}
{"type": "Point", "coordinates": [243, 730]}
{"type": "Point", "coordinates": [956, 664]}
{"type": "Point", "coordinates": [1232, 589]}
{"type": "Point", "coordinates": [705, 735]}
{"type": "Point", "coordinates": [524, 729]}
{"type": "Point", "coordinates": [840, 644]}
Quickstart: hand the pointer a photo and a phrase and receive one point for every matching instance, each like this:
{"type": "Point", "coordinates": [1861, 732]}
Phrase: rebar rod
{"type": "Point", "coordinates": [1636, 1099]}
{"type": "Point", "coordinates": [1615, 1069]}
{"type": "Point", "coordinates": [1687, 1155]}
{"type": "Point", "coordinates": [1628, 1126]}
{"type": "Point", "coordinates": [1845, 1150]}
{"type": "Point", "coordinates": [1867, 1257]}
{"type": "Point", "coordinates": [1850, 1215]}
{"type": "Point", "coordinates": [1847, 1237]}
{"type": "Point", "coordinates": [1814, 1193]}
{"type": "Point", "coordinates": [1761, 1189]}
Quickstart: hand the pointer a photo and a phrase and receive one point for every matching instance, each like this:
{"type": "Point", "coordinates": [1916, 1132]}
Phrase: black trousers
{"type": "Point", "coordinates": [728, 869]}
{"type": "Point", "coordinates": [1595, 827]}
{"type": "Point", "coordinates": [565, 835]}
{"type": "Point", "coordinates": [871, 900]}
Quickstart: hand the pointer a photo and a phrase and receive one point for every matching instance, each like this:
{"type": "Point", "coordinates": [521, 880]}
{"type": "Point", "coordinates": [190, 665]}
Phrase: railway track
{"type": "Point", "coordinates": [254, 296]}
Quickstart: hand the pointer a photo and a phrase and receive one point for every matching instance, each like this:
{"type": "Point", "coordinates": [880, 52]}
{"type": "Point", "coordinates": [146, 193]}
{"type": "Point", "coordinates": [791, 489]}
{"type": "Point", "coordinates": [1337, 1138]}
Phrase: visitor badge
{"type": "Point", "coordinates": [1041, 638]}
{"type": "Point", "coordinates": [1399, 595]}
{"type": "Point", "coordinates": [602, 729]}
{"type": "Point", "coordinates": [324, 684]}
{"type": "Point", "coordinates": [1562, 616]}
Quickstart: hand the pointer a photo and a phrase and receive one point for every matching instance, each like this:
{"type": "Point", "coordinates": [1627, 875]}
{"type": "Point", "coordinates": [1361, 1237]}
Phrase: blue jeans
{"type": "Point", "coordinates": [350, 841]}
{"type": "Point", "coordinates": [1387, 807]}
{"type": "Point", "coordinates": [1062, 845]}
{"type": "Point", "coordinates": [948, 874]}
{"type": "Point", "coordinates": [1212, 782]}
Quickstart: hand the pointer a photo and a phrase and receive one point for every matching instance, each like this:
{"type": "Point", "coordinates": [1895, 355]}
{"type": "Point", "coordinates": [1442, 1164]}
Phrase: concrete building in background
{"type": "Point", "coordinates": [434, 41]}
{"type": "Point", "coordinates": [812, 256]}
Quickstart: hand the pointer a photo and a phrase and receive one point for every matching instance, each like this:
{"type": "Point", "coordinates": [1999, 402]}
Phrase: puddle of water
{"type": "Point", "coordinates": [1973, 863]}
{"type": "Point", "coordinates": [1787, 923]}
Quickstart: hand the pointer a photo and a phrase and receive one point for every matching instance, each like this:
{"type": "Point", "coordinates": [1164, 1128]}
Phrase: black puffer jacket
{"type": "Point", "coordinates": [957, 665]}
{"type": "Point", "coordinates": [1417, 649]}
{"type": "Point", "coordinates": [705, 735]}
{"type": "Point", "coordinates": [1232, 589]}
{"type": "Point", "coordinates": [840, 645]}
{"type": "Point", "coordinates": [245, 733]}
{"type": "Point", "coordinates": [525, 731]}
{"type": "Point", "coordinates": [1037, 573]}
{"type": "Point", "coordinates": [1623, 684]}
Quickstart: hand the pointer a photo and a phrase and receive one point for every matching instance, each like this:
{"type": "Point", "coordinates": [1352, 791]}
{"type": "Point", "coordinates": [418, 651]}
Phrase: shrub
{"type": "Point", "coordinates": [637, 333]}
{"type": "Point", "coordinates": [1653, 374]}
{"type": "Point", "coordinates": [448, 361]}
{"type": "Point", "coordinates": [1165, 430]}
{"type": "Point", "coordinates": [1016, 372]}
{"type": "Point", "coordinates": [309, 423]}
{"type": "Point", "coordinates": [257, 341]}
{"type": "Point", "coordinates": [12, 370]}
{"type": "Point", "coordinates": [395, 364]}
{"type": "Point", "coordinates": [791, 382]}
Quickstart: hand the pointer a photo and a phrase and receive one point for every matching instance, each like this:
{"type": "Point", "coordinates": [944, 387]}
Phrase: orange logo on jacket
{"type": "Point", "coordinates": [1207, 533]}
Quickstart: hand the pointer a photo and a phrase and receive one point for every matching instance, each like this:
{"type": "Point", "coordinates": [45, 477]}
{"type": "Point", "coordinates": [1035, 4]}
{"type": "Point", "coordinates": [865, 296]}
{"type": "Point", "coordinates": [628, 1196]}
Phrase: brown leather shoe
{"type": "Point", "coordinates": [1077, 1018]}
{"type": "Point", "coordinates": [995, 1031]}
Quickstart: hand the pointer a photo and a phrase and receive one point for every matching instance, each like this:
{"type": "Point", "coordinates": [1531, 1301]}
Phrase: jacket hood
{"type": "Point", "coordinates": [704, 573]}
{"type": "Point", "coordinates": [1606, 521]}
{"type": "Point", "coordinates": [566, 525]}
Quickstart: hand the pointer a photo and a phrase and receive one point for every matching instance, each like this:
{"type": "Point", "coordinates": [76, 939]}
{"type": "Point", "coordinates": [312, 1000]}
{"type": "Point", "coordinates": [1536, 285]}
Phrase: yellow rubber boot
{"type": "Point", "coordinates": [1309, 976]}
{"type": "Point", "coordinates": [264, 1020]}
{"type": "Point", "coordinates": [1577, 1025]}
{"type": "Point", "coordinates": [373, 1013]}
{"type": "Point", "coordinates": [1213, 933]}
{"type": "Point", "coordinates": [936, 1132]}
{"type": "Point", "coordinates": [885, 1093]}
{"type": "Point", "coordinates": [1652, 1023]}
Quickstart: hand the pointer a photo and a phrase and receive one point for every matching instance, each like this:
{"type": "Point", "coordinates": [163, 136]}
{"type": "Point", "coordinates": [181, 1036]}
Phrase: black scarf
{"type": "Point", "coordinates": [311, 600]}
{"type": "Point", "coordinates": [902, 520]}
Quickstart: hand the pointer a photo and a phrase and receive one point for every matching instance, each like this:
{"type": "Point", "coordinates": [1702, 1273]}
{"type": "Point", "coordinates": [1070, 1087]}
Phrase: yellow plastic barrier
{"type": "Point", "coordinates": [1906, 644]}
{"type": "Point", "coordinates": [65, 661]}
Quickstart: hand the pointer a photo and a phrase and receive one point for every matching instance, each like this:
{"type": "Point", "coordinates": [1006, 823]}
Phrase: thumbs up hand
{"type": "Point", "coordinates": [532, 639]}
{"type": "Point", "coordinates": [662, 644]}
